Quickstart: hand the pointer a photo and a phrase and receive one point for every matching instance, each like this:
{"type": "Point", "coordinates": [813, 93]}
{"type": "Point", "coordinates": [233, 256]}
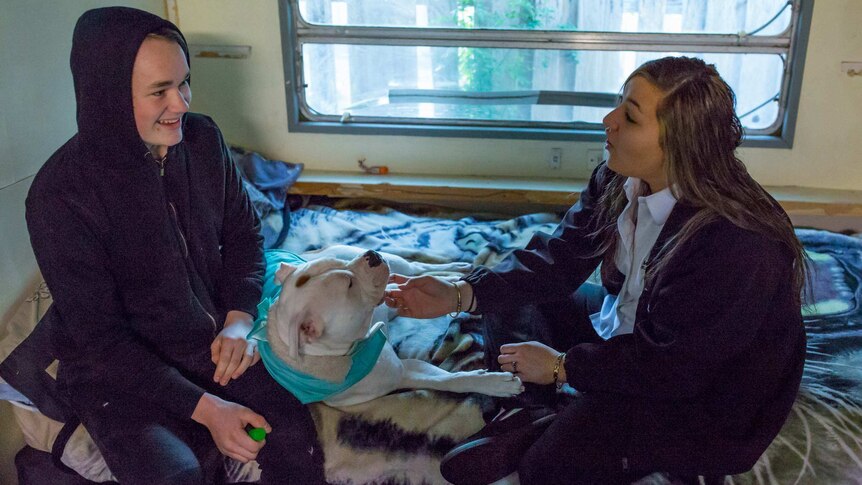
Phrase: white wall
{"type": "Point", "coordinates": [37, 115]}
{"type": "Point", "coordinates": [247, 99]}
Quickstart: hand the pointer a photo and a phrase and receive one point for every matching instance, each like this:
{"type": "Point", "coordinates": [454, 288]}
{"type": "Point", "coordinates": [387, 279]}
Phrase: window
{"type": "Point", "coordinates": [527, 68]}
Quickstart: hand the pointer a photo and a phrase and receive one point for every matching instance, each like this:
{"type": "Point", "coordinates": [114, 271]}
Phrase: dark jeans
{"type": "Point", "coordinates": [588, 441]}
{"type": "Point", "coordinates": [561, 324]}
{"type": "Point", "coordinates": [144, 445]}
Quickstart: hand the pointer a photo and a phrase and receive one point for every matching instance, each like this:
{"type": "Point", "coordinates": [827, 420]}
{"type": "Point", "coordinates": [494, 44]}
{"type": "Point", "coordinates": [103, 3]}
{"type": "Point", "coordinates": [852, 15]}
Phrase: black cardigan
{"type": "Point", "coordinates": [142, 268]}
{"type": "Point", "coordinates": [718, 338]}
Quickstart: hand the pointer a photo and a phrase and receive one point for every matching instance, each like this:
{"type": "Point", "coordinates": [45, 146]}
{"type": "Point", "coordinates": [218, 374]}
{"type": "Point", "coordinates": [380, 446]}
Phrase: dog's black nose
{"type": "Point", "coordinates": [373, 258]}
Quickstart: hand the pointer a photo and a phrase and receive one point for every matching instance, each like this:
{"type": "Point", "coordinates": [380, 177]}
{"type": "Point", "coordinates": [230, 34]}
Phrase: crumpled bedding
{"type": "Point", "coordinates": [431, 237]}
{"type": "Point", "coordinates": [400, 438]}
{"type": "Point", "coordinates": [822, 439]}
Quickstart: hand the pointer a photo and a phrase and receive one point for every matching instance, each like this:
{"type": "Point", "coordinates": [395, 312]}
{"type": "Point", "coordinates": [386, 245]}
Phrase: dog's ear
{"type": "Point", "coordinates": [283, 272]}
{"type": "Point", "coordinates": [309, 330]}
{"type": "Point", "coordinates": [291, 333]}
{"type": "Point", "coordinates": [300, 327]}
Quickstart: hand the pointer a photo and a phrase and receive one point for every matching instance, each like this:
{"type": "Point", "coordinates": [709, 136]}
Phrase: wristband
{"type": "Point", "coordinates": [557, 366]}
{"type": "Point", "coordinates": [457, 305]}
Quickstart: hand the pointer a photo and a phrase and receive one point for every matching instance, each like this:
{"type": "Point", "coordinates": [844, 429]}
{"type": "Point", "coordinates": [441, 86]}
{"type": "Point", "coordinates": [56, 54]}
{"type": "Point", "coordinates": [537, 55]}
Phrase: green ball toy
{"type": "Point", "coordinates": [257, 434]}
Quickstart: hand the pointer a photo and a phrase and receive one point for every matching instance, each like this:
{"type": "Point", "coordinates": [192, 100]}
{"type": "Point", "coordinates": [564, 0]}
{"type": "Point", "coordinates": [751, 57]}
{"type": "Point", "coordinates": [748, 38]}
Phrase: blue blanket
{"type": "Point", "coordinates": [400, 438]}
{"type": "Point", "coordinates": [822, 440]}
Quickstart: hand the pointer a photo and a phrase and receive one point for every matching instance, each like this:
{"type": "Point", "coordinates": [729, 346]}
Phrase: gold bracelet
{"type": "Point", "coordinates": [458, 305]}
{"type": "Point", "coordinates": [557, 366]}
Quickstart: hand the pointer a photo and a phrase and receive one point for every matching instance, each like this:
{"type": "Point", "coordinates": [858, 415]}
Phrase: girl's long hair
{"type": "Point", "coordinates": [699, 133]}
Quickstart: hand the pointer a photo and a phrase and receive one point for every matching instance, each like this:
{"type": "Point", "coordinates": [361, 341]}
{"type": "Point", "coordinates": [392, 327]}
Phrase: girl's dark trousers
{"type": "Point", "coordinates": [592, 435]}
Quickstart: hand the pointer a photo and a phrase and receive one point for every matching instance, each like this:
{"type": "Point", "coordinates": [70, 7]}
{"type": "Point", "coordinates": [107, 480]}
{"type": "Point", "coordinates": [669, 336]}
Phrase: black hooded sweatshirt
{"type": "Point", "coordinates": [143, 267]}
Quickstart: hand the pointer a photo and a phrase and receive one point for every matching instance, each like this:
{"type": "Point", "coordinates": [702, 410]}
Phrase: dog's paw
{"type": "Point", "coordinates": [500, 384]}
{"type": "Point", "coordinates": [442, 269]}
{"type": "Point", "coordinates": [460, 267]}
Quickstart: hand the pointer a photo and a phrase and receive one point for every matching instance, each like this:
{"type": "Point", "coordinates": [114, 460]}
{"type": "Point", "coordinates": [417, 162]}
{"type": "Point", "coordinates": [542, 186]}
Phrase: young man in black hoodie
{"type": "Point", "coordinates": [152, 252]}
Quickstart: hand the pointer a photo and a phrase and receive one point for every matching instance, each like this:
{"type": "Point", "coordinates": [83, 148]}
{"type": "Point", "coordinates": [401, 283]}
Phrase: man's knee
{"type": "Point", "coordinates": [188, 472]}
{"type": "Point", "coordinates": [191, 476]}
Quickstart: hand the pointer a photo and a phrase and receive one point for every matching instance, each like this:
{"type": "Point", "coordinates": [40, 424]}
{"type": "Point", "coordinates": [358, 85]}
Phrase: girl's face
{"type": "Point", "coordinates": [633, 135]}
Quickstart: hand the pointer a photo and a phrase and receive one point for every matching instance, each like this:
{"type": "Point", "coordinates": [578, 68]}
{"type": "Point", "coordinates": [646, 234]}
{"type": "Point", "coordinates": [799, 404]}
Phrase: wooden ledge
{"type": "Point", "coordinates": [513, 194]}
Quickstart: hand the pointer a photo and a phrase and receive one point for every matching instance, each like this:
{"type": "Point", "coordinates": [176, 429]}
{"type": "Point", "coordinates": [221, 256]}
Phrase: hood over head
{"type": "Point", "coordinates": [104, 46]}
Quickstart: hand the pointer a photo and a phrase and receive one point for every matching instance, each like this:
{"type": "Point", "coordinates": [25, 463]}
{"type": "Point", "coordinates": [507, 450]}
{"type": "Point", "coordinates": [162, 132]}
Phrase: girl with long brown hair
{"type": "Point", "coordinates": [688, 356]}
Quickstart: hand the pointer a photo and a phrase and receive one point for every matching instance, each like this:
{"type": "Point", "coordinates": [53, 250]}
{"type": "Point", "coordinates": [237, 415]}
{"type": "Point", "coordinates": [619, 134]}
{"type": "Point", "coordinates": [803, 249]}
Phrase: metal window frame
{"type": "Point", "coordinates": [296, 32]}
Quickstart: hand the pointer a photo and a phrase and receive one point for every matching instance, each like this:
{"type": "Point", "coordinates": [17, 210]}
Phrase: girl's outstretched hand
{"type": "Point", "coordinates": [422, 296]}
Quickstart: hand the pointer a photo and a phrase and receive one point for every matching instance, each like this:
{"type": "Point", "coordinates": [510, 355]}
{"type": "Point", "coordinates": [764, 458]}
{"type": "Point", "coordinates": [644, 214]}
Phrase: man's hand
{"type": "Point", "coordinates": [226, 422]}
{"type": "Point", "coordinates": [232, 352]}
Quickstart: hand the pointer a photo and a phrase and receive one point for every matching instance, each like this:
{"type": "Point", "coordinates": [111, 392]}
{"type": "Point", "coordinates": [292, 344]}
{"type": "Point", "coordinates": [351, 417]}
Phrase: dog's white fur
{"type": "Point", "coordinates": [332, 300]}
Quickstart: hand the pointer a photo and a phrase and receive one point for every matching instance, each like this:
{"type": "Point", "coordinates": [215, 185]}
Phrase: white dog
{"type": "Point", "coordinates": [328, 303]}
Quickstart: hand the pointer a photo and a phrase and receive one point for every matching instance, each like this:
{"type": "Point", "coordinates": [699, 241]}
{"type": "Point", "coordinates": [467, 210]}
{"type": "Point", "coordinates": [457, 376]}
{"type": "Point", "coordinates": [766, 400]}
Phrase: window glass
{"type": "Point", "coordinates": [688, 16]}
{"type": "Point", "coordinates": [554, 65]}
{"type": "Point", "coordinates": [438, 83]}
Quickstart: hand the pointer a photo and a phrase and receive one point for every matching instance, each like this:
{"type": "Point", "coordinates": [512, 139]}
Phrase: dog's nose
{"type": "Point", "coordinates": [373, 258]}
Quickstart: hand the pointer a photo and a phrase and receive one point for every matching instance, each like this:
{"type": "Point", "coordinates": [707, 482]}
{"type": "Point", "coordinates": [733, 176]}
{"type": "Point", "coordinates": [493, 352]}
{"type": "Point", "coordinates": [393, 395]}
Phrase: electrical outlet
{"type": "Point", "coordinates": [556, 158]}
{"type": "Point", "coordinates": [851, 68]}
{"type": "Point", "coordinates": [594, 158]}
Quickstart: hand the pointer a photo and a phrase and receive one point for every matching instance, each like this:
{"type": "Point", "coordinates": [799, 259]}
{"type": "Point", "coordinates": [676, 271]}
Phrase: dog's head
{"type": "Point", "coordinates": [326, 304]}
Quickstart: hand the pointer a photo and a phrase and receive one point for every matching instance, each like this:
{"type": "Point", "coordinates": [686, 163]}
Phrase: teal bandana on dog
{"type": "Point", "coordinates": [308, 388]}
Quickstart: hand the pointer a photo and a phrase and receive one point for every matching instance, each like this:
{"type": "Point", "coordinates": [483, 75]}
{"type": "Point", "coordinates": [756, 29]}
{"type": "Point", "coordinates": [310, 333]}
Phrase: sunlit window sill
{"type": "Point", "coordinates": [520, 194]}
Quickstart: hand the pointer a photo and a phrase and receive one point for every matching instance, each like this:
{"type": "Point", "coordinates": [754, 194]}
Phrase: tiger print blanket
{"type": "Point", "coordinates": [399, 439]}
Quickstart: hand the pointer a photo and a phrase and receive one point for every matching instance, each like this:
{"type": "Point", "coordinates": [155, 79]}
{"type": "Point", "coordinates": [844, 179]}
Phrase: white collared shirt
{"type": "Point", "coordinates": [637, 238]}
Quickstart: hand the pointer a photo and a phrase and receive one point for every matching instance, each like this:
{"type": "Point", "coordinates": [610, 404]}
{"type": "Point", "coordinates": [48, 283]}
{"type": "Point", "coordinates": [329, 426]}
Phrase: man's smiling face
{"type": "Point", "coordinates": [160, 93]}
